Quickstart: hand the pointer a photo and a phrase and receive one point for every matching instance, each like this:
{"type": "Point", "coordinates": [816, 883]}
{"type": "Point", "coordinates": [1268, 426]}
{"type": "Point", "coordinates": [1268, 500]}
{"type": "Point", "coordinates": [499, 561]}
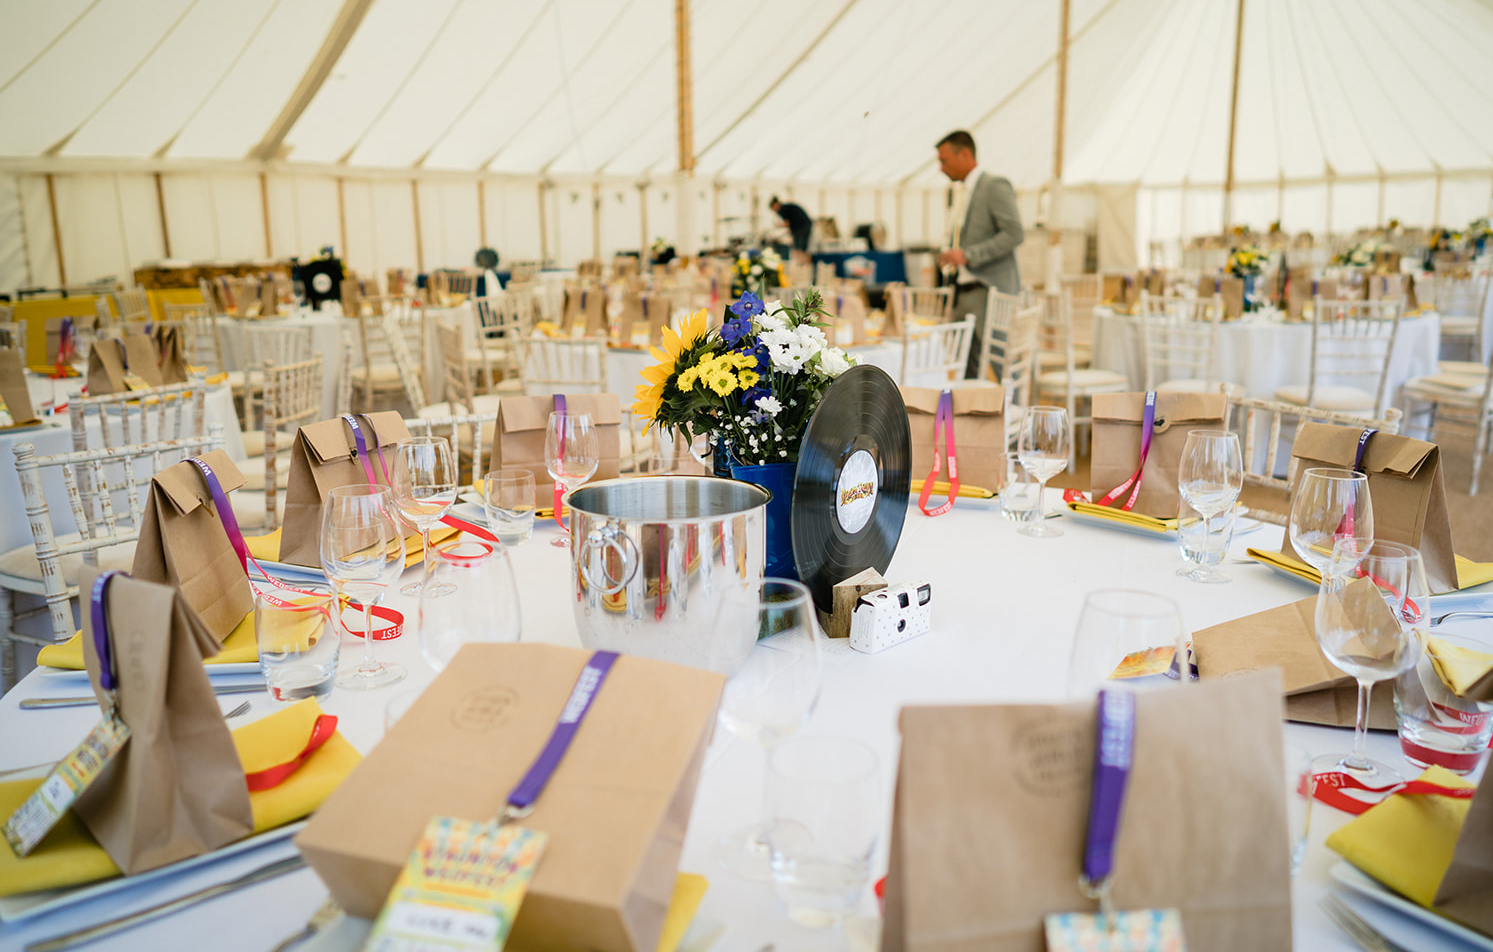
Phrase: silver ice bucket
{"type": "Point", "coordinates": [669, 567]}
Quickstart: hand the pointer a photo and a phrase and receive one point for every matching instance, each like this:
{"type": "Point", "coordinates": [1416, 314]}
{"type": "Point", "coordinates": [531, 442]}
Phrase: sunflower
{"type": "Point", "coordinates": [648, 397]}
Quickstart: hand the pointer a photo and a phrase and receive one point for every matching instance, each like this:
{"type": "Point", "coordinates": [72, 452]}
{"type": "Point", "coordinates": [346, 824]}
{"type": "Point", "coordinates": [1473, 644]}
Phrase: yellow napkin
{"type": "Point", "coordinates": [941, 488]}
{"type": "Point", "coordinates": [1469, 573]}
{"type": "Point", "coordinates": [46, 371]}
{"type": "Point", "coordinates": [266, 548]}
{"type": "Point", "coordinates": [1151, 523]}
{"type": "Point", "coordinates": [689, 890]}
{"type": "Point", "coordinates": [1407, 842]}
{"type": "Point", "coordinates": [1458, 668]}
{"type": "Point", "coordinates": [238, 648]}
{"type": "Point", "coordinates": [69, 856]}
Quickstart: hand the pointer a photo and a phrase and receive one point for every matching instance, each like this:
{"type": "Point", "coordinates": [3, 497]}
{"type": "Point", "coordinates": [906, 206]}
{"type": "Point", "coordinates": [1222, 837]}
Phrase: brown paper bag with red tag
{"type": "Point", "coordinates": [1117, 440]}
{"type": "Point", "coordinates": [992, 804]}
{"type": "Point", "coordinates": [323, 458]}
{"type": "Point", "coordinates": [979, 435]}
{"type": "Point", "coordinates": [518, 436]}
{"type": "Point", "coordinates": [177, 789]}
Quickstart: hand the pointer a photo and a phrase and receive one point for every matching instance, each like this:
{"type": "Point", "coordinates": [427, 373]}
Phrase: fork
{"type": "Point", "coordinates": [1357, 927]}
{"type": "Point", "coordinates": [241, 709]}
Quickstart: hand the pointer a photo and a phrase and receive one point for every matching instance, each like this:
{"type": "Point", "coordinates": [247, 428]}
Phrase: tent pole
{"type": "Point", "coordinates": [160, 207]}
{"type": "Point", "coordinates": [1228, 180]}
{"type": "Point", "coordinates": [342, 217]}
{"type": "Point", "coordinates": [264, 213]}
{"type": "Point", "coordinates": [1379, 213]}
{"type": "Point", "coordinates": [685, 91]}
{"type": "Point", "coordinates": [340, 34]}
{"type": "Point", "coordinates": [1328, 227]}
{"type": "Point", "coordinates": [482, 212]}
{"type": "Point", "coordinates": [715, 212]}
{"type": "Point", "coordinates": [1435, 210]}
{"type": "Point", "coordinates": [1060, 122]}
{"type": "Point", "coordinates": [57, 230]}
{"type": "Point", "coordinates": [420, 238]}
{"type": "Point", "coordinates": [643, 223]}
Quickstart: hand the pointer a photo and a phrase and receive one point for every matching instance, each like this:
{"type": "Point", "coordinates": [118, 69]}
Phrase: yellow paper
{"type": "Point", "coordinates": [1158, 526]}
{"type": "Point", "coordinates": [1407, 842]}
{"type": "Point", "coordinates": [238, 648]}
{"type": "Point", "coordinates": [941, 488]}
{"type": "Point", "coordinates": [1458, 668]}
{"type": "Point", "coordinates": [1469, 573]}
{"type": "Point", "coordinates": [69, 856]}
{"type": "Point", "coordinates": [266, 548]}
{"type": "Point", "coordinates": [689, 891]}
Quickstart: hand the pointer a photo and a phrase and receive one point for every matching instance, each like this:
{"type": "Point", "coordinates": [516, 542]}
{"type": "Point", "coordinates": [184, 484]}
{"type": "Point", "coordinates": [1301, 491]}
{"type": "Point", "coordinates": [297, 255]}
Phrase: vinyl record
{"type": "Point", "coordinates": [850, 492]}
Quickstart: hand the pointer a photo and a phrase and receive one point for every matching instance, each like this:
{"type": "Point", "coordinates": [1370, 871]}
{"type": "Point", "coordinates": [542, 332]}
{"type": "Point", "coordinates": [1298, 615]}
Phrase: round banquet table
{"type": "Point", "coordinates": [1004, 609]}
{"type": "Point", "coordinates": [1264, 353]}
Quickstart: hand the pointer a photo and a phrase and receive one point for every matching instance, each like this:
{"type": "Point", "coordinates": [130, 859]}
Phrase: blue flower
{"type": "Point", "coordinates": [735, 328]}
{"type": "Point", "coordinates": [764, 357]}
{"type": "Point", "coordinates": [749, 306]}
{"type": "Point", "coordinates": [750, 397]}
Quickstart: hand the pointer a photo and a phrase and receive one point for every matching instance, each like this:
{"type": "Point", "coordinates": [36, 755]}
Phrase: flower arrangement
{"type": "Point", "coordinates": [1362, 254]}
{"type": "Point", "coordinates": [754, 382]}
{"type": "Point", "coordinates": [1246, 260]}
{"type": "Point", "coordinates": [757, 272]}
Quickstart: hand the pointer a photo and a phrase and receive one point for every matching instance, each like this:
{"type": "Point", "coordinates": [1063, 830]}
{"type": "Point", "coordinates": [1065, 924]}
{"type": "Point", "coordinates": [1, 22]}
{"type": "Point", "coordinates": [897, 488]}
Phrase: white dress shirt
{"type": "Point", "coordinates": [961, 212]}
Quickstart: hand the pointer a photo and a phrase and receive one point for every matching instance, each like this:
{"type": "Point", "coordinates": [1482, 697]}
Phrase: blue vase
{"type": "Point", "coordinates": [776, 478]}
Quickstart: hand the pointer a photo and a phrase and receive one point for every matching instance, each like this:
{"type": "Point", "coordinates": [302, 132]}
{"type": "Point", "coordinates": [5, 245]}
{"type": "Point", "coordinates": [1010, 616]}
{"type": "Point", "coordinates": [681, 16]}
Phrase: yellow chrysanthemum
{"type": "Point", "coordinates": [747, 379]}
{"type": "Point", "coordinates": [687, 378]}
{"type": "Point", "coordinates": [722, 382]}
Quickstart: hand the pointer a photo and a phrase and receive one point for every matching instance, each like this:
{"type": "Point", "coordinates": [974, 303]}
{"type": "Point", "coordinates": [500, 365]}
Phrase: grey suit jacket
{"type": "Point", "coordinates": [991, 232]}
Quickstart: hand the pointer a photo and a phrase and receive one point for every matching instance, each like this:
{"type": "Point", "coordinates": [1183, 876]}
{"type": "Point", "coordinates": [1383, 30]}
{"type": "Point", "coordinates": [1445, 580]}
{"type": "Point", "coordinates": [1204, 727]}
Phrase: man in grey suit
{"type": "Point", "coordinates": [986, 231]}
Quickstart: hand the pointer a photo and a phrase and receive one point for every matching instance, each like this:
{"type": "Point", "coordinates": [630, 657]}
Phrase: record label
{"type": "Point", "coordinates": [855, 497]}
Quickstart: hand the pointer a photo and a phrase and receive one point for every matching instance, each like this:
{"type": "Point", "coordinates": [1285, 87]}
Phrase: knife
{"type": "Point", "coordinates": [70, 939]}
{"type": "Point", "coordinates": [41, 703]}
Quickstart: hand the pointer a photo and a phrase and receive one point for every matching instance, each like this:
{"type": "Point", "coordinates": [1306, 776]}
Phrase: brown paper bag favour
{"type": "Point", "coordinates": [979, 434]}
{"type": "Point", "coordinates": [1466, 890]}
{"type": "Point", "coordinates": [586, 307]}
{"type": "Point", "coordinates": [1230, 288]}
{"type": "Point", "coordinates": [14, 393]}
{"type": "Point", "coordinates": [1117, 443]}
{"type": "Point", "coordinates": [177, 789]}
{"type": "Point", "coordinates": [1405, 485]}
{"type": "Point", "coordinates": [518, 436]}
{"type": "Point", "coordinates": [323, 458]}
{"type": "Point", "coordinates": [170, 355]}
{"type": "Point", "coordinates": [616, 809]}
{"type": "Point", "coordinates": [141, 358]}
{"type": "Point", "coordinates": [1302, 286]}
{"type": "Point", "coordinates": [106, 367]}
{"type": "Point", "coordinates": [183, 543]}
{"type": "Point", "coordinates": [1285, 638]}
{"type": "Point", "coordinates": [849, 323]}
{"type": "Point", "coordinates": [992, 806]}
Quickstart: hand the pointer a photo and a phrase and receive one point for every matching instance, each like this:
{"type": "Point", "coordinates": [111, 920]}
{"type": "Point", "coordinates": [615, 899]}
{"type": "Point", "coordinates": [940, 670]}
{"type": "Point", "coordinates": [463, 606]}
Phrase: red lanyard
{"type": "Point", "coordinates": [943, 421]}
{"type": "Point", "coordinates": [1148, 420]}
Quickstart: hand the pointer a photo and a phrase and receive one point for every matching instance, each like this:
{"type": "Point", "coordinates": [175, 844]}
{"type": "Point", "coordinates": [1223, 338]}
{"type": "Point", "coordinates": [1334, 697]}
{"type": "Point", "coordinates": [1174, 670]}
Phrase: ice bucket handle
{"type": "Point", "coordinates": [593, 566]}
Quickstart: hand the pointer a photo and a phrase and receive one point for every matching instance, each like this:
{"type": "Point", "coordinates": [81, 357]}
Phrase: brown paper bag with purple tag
{"type": "Point", "coordinates": [183, 543]}
{"type": "Point", "coordinates": [1117, 442]}
{"type": "Point", "coordinates": [1302, 287]}
{"type": "Point", "coordinates": [323, 458]}
{"type": "Point", "coordinates": [1230, 288]}
{"type": "Point", "coordinates": [518, 436]}
{"type": "Point", "coordinates": [586, 307]}
{"type": "Point", "coordinates": [992, 804]}
{"type": "Point", "coordinates": [177, 789]}
{"type": "Point", "coordinates": [170, 359]}
{"type": "Point", "coordinates": [1405, 486]}
{"type": "Point", "coordinates": [142, 359]}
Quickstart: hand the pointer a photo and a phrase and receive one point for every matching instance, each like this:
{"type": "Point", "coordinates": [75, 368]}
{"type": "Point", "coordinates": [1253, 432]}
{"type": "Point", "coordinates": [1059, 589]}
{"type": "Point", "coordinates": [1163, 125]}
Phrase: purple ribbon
{"type": "Point", "coordinates": [1111, 775]}
{"type": "Point", "coordinates": [225, 511]}
{"type": "Point", "coordinates": [1314, 287]}
{"type": "Point", "coordinates": [106, 678]}
{"type": "Point", "coordinates": [1363, 444]}
{"type": "Point", "coordinates": [362, 445]}
{"type": "Point", "coordinates": [521, 800]}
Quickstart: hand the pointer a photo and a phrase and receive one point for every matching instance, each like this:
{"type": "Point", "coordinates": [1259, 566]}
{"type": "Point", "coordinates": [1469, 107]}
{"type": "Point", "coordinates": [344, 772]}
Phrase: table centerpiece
{"type": "Point", "coordinates": [1248, 262]}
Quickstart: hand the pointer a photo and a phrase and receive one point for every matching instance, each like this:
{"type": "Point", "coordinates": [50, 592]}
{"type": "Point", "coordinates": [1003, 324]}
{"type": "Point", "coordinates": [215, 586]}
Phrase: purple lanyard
{"type": "Point", "coordinates": [362, 445]}
{"type": "Point", "coordinates": [1148, 422]}
{"type": "Point", "coordinates": [1363, 444]}
{"type": "Point", "coordinates": [225, 511]}
{"type": "Point", "coordinates": [583, 300]}
{"type": "Point", "coordinates": [1112, 755]}
{"type": "Point", "coordinates": [521, 800]}
{"type": "Point", "coordinates": [106, 678]}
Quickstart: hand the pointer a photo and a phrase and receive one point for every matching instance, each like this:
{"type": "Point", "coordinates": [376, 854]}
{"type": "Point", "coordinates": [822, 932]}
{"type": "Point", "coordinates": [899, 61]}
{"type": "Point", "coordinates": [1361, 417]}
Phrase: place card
{"type": "Point", "coordinates": [65, 784]}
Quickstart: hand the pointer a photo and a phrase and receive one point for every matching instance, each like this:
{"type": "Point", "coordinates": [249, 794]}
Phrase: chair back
{"type": "Point", "coordinates": [1180, 336]}
{"type": "Point", "coordinates": [928, 304]}
{"type": "Point", "coordinates": [940, 351]}
{"type": "Point", "coordinates": [131, 305]}
{"type": "Point", "coordinates": [475, 425]}
{"type": "Point", "coordinates": [456, 372]}
{"type": "Point", "coordinates": [1352, 342]}
{"type": "Point", "coordinates": [556, 365]}
{"type": "Point", "coordinates": [173, 412]}
{"type": "Point", "coordinates": [292, 398]}
{"type": "Point", "coordinates": [1008, 353]}
{"type": "Point", "coordinates": [204, 346]}
{"type": "Point", "coordinates": [1085, 292]}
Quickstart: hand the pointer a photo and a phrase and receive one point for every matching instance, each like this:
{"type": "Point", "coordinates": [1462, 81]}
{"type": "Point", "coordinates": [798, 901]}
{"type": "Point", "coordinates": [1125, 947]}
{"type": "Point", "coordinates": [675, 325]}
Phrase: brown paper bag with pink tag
{"type": "Point", "coordinates": [518, 436]}
{"type": "Point", "coordinates": [1117, 443]}
{"type": "Point", "coordinates": [992, 805]}
{"type": "Point", "coordinates": [979, 435]}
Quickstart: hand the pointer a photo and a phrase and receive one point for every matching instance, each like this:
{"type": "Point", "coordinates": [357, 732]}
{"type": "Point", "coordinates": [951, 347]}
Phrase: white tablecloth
{"type": "Point", "coordinates": [1264, 354]}
{"type": "Point", "coordinates": [326, 340]}
{"type": "Point", "coordinates": [1004, 610]}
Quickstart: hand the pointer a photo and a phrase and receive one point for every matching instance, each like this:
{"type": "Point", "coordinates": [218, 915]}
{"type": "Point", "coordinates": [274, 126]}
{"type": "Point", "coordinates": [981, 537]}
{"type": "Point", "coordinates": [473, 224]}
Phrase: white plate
{"type": "Point", "coordinates": [16, 908]}
{"type": "Point", "coordinates": [213, 670]}
{"type": "Point", "coordinates": [290, 573]}
{"type": "Point", "coordinates": [473, 513]}
{"type": "Point", "coordinates": [1358, 882]}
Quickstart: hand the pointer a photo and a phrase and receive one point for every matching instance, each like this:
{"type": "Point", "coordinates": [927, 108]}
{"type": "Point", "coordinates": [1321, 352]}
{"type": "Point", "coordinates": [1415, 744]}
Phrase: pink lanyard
{"type": "Point", "coordinates": [1148, 421]}
{"type": "Point", "coordinates": [560, 408]}
{"type": "Point", "coordinates": [944, 422]}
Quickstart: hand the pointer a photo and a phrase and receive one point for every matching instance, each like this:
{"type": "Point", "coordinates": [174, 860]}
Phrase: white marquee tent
{"type": "Point", "coordinates": [409, 132]}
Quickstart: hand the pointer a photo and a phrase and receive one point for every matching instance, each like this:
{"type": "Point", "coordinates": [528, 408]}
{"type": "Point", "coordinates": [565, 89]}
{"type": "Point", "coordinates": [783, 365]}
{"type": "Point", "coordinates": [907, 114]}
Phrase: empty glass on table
{"type": "Point", "coordinates": [508, 499]}
{"type": "Point", "coordinates": [1328, 505]}
{"type": "Point", "coordinates": [1042, 448]}
{"type": "Point", "coordinates": [1125, 636]}
{"type": "Point", "coordinates": [483, 605]}
{"type": "Point", "coordinates": [362, 552]}
{"type": "Point", "coordinates": [424, 484]}
{"type": "Point", "coordinates": [572, 451]}
{"type": "Point", "coordinates": [1209, 479]}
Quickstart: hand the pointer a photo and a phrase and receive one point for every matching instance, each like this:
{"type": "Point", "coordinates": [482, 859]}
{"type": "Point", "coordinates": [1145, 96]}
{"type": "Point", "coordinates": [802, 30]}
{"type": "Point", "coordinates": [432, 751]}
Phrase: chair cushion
{"type": "Point", "coordinates": [254, 443]}
{"type": "Point", "coordinates": [1460, 326]}
{"type": "Point", "coordinates": [382, 375]}
{"type": "Point", "coordinates": [22, 562]}
{"type": "Point", "coordinates": [1199, 386]}
{"type": "Point", "coordinates": [1088, 380]}
{"type": "Point", "coordinates": [253, 470]}
{"type": "Point", "coordinates": [1346, 399]}
{"type": "Point", "coordinates": [236, 380]}
{"type": "Point", "coordinates": [1469, 368]}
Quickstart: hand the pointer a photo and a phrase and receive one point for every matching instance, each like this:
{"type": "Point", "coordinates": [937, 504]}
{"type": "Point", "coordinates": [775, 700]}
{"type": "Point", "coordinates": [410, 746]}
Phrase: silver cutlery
{"type": "Point", "coordinates": [42, 703]}
{"type": "Point", "coordinates": [1470, 612]}
{"type": "Point", "coordinates": [1357, 927]}
{"type": "Point", "coordinates": [319, 920]}
{"type": "Point", "coordinates": [70, 939]}
{"type": "Point", "coordinates": [241, 709]}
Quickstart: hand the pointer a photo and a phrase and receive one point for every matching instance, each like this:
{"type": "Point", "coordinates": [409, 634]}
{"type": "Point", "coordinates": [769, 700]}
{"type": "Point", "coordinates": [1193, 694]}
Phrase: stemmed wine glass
{"type": "Point", "coordinates": [572, 452]}
{"type": "Point", "coordinates": [1210, 478]}
{"type": "Point", "coordinates": [1043, 449]}
{"type": "Point", "coordinates": [424, 485]}
{"type": "Point", "coordinates": [1115, 624]}
{"type": "Point", "coordinates": [768, 698]}
{"type": "Point", "coordinates": [485, 607]}
{"type": "Point", "coordinates": [1328, 505]}
{"type": "Point", "coordinates": [362, 552]}
{"type": "Point", "coordinates": [1372, 614]}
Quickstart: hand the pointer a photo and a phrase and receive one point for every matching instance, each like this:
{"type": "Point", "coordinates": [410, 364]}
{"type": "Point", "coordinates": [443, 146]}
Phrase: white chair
{"type": "Point", "coordinates": [96, 483]}
{"type": "Point", "coordinates": [1008, 352]}
{"type": "Point", "coordinates": [1180, 339]}
{"type": "Point", "coordinates": [202, 345]}
{"type": "Point", "coordinates": [556, 365]}
{"type": "Point", "coordinates": [124, 419]}
{"type": "Point", "coordinates": [292, 399]}
{"type": "Point", "coordinates": [937, 351]}
{"type": "Point", "coordinates": [1459, 400]}
{"type": "Point", "coordinates": [131, 305]}
{"type": "Point", "coordinates": [460, 396]}
{"type": "Point", "coordinates": [1069, 386]}
{"type": "Point", "coordinates": [464, 430]}
{"type": "Point", "coordinates": [12, 334]}
{"type": "Point", "coordinates": [1459, 293]}
{"type": "Point", "coordinates": [387, 366]}
{"type": "Point", "coordinates": [1085, 292]}
{"type": "Point", "coordinates": [1352, 343]}
{"type": "Point", "coordinates": [264, 343]}
{"type": "Point", "coordinates": [501, 321]}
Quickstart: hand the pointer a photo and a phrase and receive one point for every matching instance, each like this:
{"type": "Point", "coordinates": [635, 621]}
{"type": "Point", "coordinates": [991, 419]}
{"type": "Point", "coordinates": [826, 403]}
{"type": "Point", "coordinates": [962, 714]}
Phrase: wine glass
{"type": "Point", "coordinates": [424, 485]}
{"type": "Point", "coordinates": [485, 607]}
{"type": "Point", "coordinates": [1372, 614]}
{"type": "Point", "coordinates": [362, 552]}
{"type": "Point", "coordinates": [1119, 625]}
{"type": "Point", "coordinates": [572, 452]}
{"type": "Point", "coordinates": [1210, 478]}
{"type": "Point", "coordinates": [1329, 504]}
{"type": "Point", "coordinates": [1043, 449]}
{"type": "Point", "coordinates": [768, 698]}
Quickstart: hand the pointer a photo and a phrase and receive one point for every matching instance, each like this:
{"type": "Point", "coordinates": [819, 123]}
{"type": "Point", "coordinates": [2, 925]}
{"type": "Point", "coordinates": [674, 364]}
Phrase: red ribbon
{"type": "Point", "coordinates": [1329, 787]}
{"type": "Point", "coordinates": [943, 421]}
{"type": "Point", "coordinates": [1148, 420]}
{"type": "Point", "coordinates": [468, 527]}
{"type": "Point", "coordinates": [270, 777]}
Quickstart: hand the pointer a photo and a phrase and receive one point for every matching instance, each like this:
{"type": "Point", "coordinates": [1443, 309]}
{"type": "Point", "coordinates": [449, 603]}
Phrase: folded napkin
{"type": "Point", "coordinates": [1151, 523]}
{"type": "Point", "coordinates": [689, 890]}
{"type": "Point", "coordinates": [1469, 573]}
{"type": "Point", "coordinates": [266, 548]}
{"type": "Point", "coordinates": [238, 648]}
{"type": "Point", "coordinates": [941, 488]}
{"type": "Point", "coordinates": [47, 370]}
{"type": "Point", "coordinates": [1458, 668]}
{"type": "Point", "coordinates": [70, 857]}
{"type": "Point", "coordinates": [1407, 842]}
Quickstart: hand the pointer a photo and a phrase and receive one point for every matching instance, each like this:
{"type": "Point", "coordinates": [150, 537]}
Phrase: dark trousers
{"type": "Point", "coordinates": [970, 299]}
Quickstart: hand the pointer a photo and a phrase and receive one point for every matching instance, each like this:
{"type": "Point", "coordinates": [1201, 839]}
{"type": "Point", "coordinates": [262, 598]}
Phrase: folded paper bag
{"type": "Point", "coordinates": [979, 434]}
{"type": "Point", "coordinates": [238, 648]}
{"type": "Point", "coordinates": [1466, 891]}
{"type": "Point", "coordinates": [1285, 638]}
{"type": "Point", "coordinates": [1118, 418]}
{"type": "Point", "coordinates": [70, 856]}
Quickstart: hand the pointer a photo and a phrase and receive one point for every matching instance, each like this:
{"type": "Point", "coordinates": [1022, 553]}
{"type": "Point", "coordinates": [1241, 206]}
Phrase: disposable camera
{"type": "Point", "coordinates": [890, 616]}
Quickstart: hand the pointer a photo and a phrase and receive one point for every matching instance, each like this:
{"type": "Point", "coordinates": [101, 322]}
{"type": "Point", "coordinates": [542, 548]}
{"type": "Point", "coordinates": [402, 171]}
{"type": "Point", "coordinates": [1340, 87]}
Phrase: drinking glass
{"type": "Point", "coordinates": [362, 552]}
{"type": "Point", "coordinates": [1371, 617]}
{"type": "Point", "coordinates": [768, 698]}
{"type": "Point", "coordinates": [1209, 478]}
{"type": "Point", "coordinates": [1043, 450]}
{"type": "Point", "coordinates": [1329, 504]}
{"type": "Point", "coordinates": [1117, 624]}
{"type": "Point", "coordinates": [823, 803]}
{"type": "Point", "coordinates": [1437, 726]}
{"type": "Point", "coordinates": [1021, 497]}
{"type": "Point", "coordinates": [508, 498]}
{"type": "Point", "coordinates": [297, 655]}
{"type": "Point", "coordinates": [571, 454]}
{"type": "Point", "coordinates": [424, 485]}
{"type": "Point", "coordinates": [485, 606]}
